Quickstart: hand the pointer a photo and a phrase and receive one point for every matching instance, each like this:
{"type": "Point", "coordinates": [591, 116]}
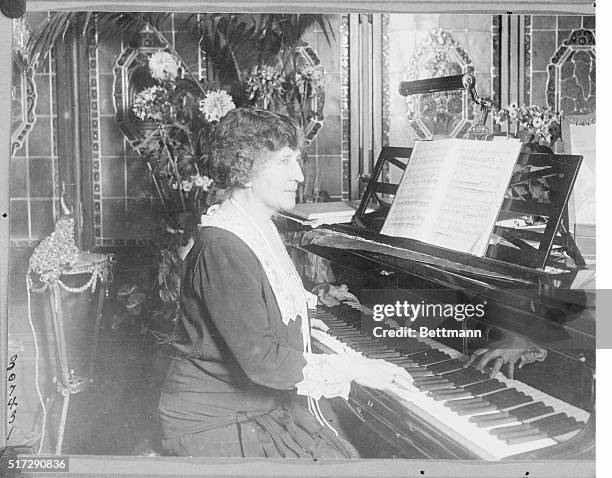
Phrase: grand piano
{"type": "Point", "coordinates": [534, 292]}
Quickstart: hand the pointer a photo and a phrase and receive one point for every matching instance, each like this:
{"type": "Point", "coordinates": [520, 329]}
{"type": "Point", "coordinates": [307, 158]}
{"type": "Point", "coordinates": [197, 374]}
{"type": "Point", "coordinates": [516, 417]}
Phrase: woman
{"type": "Point", "coordinates": [244, 382]}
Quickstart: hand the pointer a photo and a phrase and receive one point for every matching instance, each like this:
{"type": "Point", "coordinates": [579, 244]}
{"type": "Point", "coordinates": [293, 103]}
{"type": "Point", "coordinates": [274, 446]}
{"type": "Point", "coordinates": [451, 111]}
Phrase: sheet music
{"type": "Point", "coordinates": [451, 192]}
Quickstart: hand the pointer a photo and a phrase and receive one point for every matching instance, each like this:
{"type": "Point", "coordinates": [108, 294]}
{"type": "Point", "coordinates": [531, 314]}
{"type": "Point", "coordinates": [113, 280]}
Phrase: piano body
{"type": "Point", "coordinates": [547, 411]}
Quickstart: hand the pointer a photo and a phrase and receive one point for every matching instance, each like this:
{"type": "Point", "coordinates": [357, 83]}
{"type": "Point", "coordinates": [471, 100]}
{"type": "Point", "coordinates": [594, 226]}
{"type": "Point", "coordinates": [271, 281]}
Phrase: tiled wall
{"type": "Point", "coordinates": [571, 91]}
{"type": "Point", "coordinates": [124, 206]}
{"type": "Point", "coordinates": [34, 166]}
{"type": "Point", "coordinates": [326, 151]}
{"type": "Point", "coordinates": [405, 35]}
{"type": "Point", "coordinates": [547, 35]}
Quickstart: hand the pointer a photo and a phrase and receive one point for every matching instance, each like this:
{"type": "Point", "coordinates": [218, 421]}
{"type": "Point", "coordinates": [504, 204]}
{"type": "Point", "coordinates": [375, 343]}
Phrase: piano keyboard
{"type": "Point", "coordinates": [494, 418]}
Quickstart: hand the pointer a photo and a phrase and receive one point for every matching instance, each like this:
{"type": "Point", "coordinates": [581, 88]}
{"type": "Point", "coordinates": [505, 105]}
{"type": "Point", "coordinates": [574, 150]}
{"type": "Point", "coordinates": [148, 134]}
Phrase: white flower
{"type": "Point", "coordinates": [203, 182]}
{"type": "Point", "coordinates": [186, 185]}
{"type": "Point", "coordinates": [216, 104]}
{"type": "Point", "coordinates": [163, 66]}
{"type": "Point", "coordinates": [537, 122]}
{"type": "Point", "coordinates": [150, 102]}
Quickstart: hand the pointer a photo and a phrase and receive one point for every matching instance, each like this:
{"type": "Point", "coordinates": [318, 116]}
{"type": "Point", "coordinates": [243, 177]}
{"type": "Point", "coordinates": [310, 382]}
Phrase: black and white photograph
{"type": "Point", "coordinates": [262, 239]}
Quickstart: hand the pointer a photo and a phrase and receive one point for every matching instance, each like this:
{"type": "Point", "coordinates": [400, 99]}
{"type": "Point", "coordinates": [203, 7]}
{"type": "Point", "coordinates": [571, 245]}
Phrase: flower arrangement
{"type": "Point", "coordinates": [287, 90]}
{"type": "Point", "coordinates": [265, 85]}
{"type": "Point", "coordinates": [183, 113]}
{"type": "Point", "coordinates": [177, 115]}
{"type": "Point", "coordinates": [532, 124]}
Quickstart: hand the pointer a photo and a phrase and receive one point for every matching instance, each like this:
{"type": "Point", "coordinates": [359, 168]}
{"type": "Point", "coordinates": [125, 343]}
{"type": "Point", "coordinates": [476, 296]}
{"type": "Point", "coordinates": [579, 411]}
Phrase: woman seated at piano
{"type": "Point", "coordinates": [243, 380]}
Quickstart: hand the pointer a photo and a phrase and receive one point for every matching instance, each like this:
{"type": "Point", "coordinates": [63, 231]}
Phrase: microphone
{"type": "Point", "coordinates": [13, 8]}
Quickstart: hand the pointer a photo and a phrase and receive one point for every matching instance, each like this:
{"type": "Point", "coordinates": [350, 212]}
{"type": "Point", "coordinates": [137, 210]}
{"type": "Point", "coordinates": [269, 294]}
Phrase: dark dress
{"type": "Point", "coordinates": [230, 389]}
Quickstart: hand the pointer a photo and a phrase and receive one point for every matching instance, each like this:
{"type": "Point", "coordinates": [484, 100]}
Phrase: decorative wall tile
{"type": "Point", "coordinates": [43, 101]}
{"type": "Point", "coordinates": [113, 174]}
{"type": "Point", "coordinates": [39, 140]}
{"type": "Point", "coordinates": [41, 171]}
{"type": "Point", "coordinates": [545, 44]}
{"type": "Point", "coordinates": [111, 138]}
{"type": "Point", "coordinates": [19, 177]}
{"type": "Point", "coordinates": [441, 114]}
{"type": "Point", "coordinates": [570, 22]}
{"type": "Point", "coordinates": [544, 22]}
{"type": "Point", "coordinates": [138, 178]}
{"type": "Point", "coordinates": [114, 218]}
{"type": "Point", "coordinates": [329, 140]}
{"type": "Point", "coordinates": [42, 213]}
{"type": "Point", "coordinates": [105, 95]}
{"type": "Point", "coordinates": [330, 171]}
{"type": "Point", "coordinates": [20, 220]}
{"type": "Point", "coordinates": [571, 75]}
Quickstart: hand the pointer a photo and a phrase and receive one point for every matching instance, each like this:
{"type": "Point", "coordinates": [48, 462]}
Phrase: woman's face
{"type": "Point", "coordinates": [275, 183]}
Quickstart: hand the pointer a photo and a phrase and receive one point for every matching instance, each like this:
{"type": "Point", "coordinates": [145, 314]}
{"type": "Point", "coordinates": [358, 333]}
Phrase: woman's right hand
{"type": "Point", "coordinates": [381, 375]}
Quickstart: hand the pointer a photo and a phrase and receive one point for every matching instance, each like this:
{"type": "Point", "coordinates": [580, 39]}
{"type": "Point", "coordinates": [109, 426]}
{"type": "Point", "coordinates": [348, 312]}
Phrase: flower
{"type": "Point", "coordinates": [309, 79]}
{"type": "Point", "coordinates": [537, 122]}
{"type": "Point", "coordinates": [149, 104]}
{"type": "Point", "coordinates": [264, 84]}
{"type": "Point", "coordinates": [203, 182]}
{"type": "Point", "coordinates": [216, 104]}
{"type": "Point", "coordinates": [186, 185]}
{"type": "Point", "coordinates": [163, 66]}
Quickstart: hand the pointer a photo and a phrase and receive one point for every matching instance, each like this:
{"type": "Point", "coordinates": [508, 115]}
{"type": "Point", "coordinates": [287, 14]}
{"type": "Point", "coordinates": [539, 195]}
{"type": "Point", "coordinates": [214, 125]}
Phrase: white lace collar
{"type": "Point", "coordinates": [282, 276]}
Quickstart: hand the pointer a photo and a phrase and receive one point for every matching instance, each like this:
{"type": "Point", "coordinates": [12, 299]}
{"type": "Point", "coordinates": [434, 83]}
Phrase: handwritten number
{"type": "Point", "coordinates": [12, 361]}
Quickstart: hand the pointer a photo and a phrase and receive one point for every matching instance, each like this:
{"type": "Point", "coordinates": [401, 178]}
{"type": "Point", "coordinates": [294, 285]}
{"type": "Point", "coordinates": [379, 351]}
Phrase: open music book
{"type": "Point", "coordinates": [451, 193]}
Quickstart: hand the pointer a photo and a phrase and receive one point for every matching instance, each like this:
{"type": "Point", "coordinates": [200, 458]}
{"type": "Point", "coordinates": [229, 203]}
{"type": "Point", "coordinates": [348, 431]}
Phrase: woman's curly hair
{"type": "Point", "coordinates": [242, 139]}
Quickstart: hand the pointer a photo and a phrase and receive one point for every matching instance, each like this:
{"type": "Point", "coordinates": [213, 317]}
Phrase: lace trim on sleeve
{"type": "Point", "coordinates": [325, 376]}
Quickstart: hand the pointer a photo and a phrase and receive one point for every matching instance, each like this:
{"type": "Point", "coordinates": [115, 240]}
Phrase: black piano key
{"type": "Point", "coordinates": [558, 424]}
{"type": "Point", "coordinates": [564, 428]}
{"type": "Point", "coordinates": [446, 366]}
{"type": "Point", "coordinates": [431, 379]}
{"type": "Point", "coordinates": [409, 346]}
{"type": "Point", "coordinates": [469, 406]}
{"type": "Point", "coordinates": [526, 438]}
{"type": "Point", "coordinates": [460, 401]}
{"type": "Point", "coordinates": [426, 387]}
{"type": "Point", "coordinates": [467, 376]}
{"type": "Point", "coordinates": [494, 422]}
{"type": "Point", "coordinates": [491, 385]}
{"type": "Point", "coordinates": [416, 357]}
{"type": "Point", "coordinates": [344, 333]}
{"type": "Point", "coordinates": [401, 360]}
{"type": "Point", "coordinates": [458, 392]}
{"type": "Point", "coordinates": [507, 398]}
{"type": "Point", "coordinates": [532, 410]}
{"type": "Point", "coordinates": [385, 355]}
{"type": "Point", "coordinates": [493, 419]}
{"type": "Point", "coordinates": [359, 339]}
{"type": "Point", "coordinates": [502, 432]}
{"type": "Point", "coordinates": [476, 410]}
{"type": "Point", "coordinates": [435, 357]}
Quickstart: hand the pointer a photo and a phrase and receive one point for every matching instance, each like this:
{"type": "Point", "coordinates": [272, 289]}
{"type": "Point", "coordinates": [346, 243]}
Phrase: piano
{"type": "Point", "coordinates": [548, 410]}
